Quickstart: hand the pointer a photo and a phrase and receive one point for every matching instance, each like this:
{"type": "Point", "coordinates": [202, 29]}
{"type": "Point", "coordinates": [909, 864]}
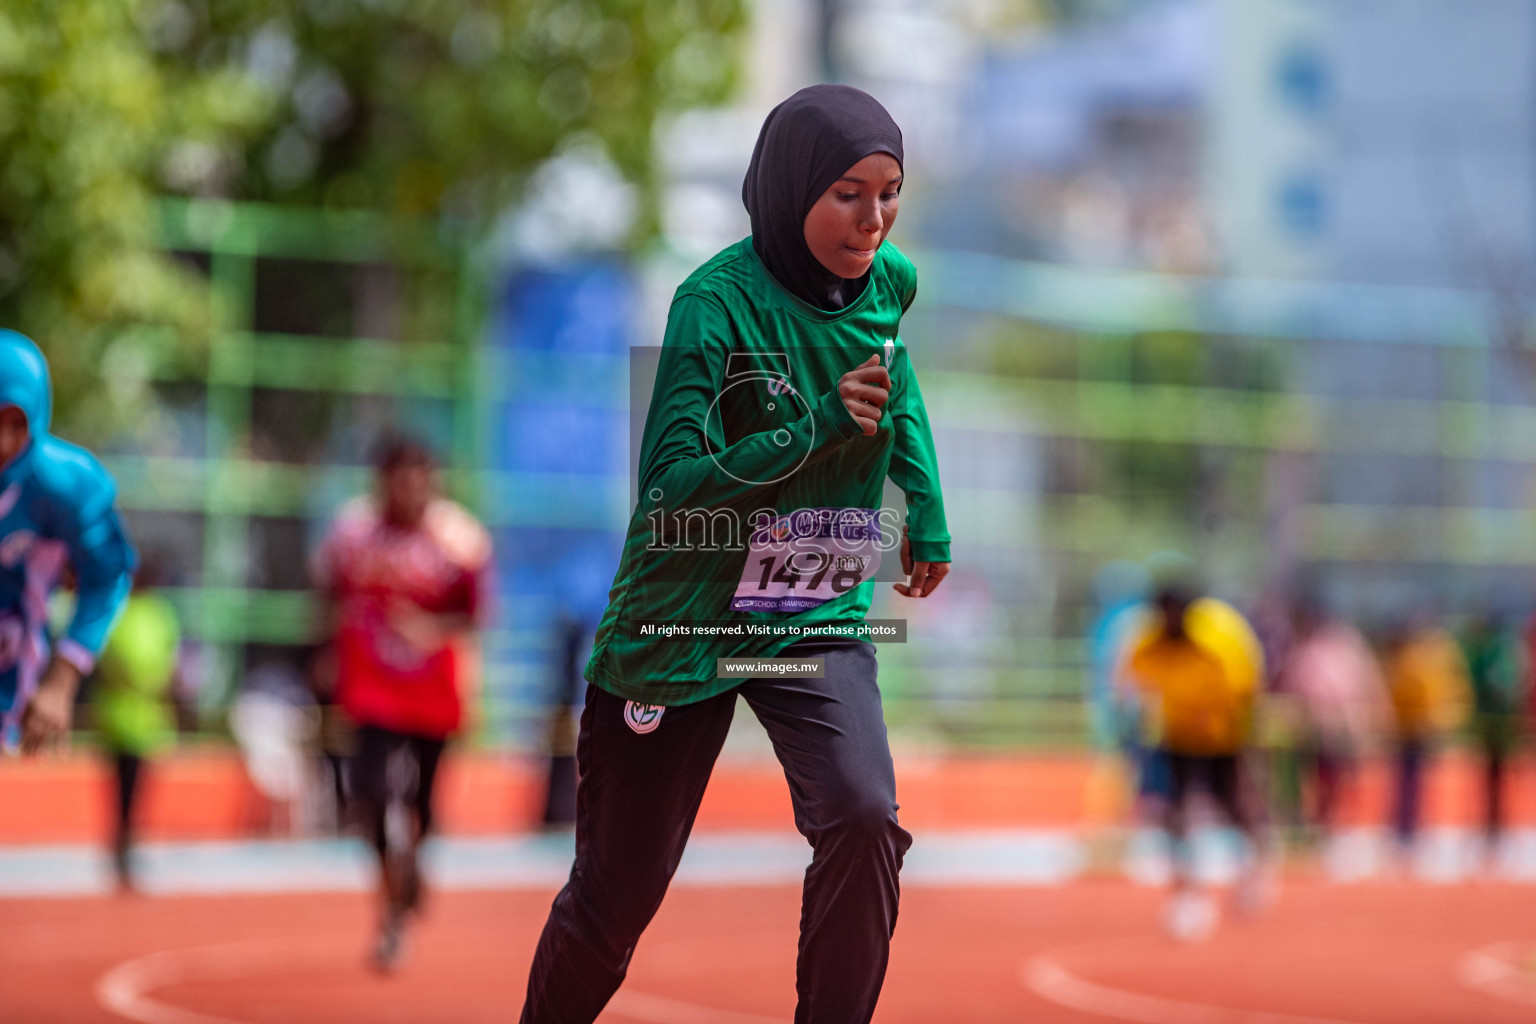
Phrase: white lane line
{"type": "Point", "coordinates": [1049, 980]}
{"type": "Point", "coordinates": [1491, 970]}
{"type": "Point", "coordinates": [125, 989]}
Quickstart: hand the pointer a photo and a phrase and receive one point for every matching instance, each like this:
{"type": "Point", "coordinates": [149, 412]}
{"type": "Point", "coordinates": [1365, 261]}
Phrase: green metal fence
{"type": "Point", "coordinates": [1084, 397]}
{"type": "Point", "coordinates": [224, 488]}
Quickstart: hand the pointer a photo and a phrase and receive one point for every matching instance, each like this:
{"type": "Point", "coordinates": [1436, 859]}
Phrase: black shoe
{"type": "Point", "coordinates": [411, 890]}
{"type": "Point", "coordinates": [389, 948]}
{"type": "Point", "coordinates": [122, 872]}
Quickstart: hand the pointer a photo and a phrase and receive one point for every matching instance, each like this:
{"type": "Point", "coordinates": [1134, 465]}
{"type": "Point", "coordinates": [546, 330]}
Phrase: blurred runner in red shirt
{"type": "Point", "coordinates": [404, 571]}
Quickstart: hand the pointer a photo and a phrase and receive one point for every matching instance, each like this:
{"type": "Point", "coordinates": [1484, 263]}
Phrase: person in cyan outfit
{"type": "Point", "coordinates": [57, 509]}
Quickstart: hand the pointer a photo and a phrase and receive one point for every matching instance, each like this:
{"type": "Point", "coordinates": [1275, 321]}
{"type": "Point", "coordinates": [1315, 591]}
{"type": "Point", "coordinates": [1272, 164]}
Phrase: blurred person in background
{"type": "Point", "coordinates": [565, 702]}
{"type": "Point", "coordinates": [1120, 610]}
{"type": "Point", "coordinates": [1201, 667]}
{"type": "Point", "coordinates": [1427, 679]}
{"type": "Point", "coordinates": [334, 740]}
{"type": "Point", "coordinates": [817, 291]}
{"type": "Point", "coordinates": [57, 508]}
{"type": "Point", "coordinates": [1341, 698]}
{"type": "Point", "coordinates": [1528, 637]}
{"type": "Point", "coordinates": [274, 722]}
{"type": "Point", "coordinates": [404, 570]}
{"type": "Point", "coordinates": [1500, 674]}
{"type": "Point", "coordinates": [1120, 592]}
{"type": "Point", "coordinates": [1278, 727]}
{"type": "Point", "coordinates": [135, 680]}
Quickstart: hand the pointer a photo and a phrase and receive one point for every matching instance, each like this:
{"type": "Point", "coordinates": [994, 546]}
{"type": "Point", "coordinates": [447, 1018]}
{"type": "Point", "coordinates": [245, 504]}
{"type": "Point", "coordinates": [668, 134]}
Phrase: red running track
{"type": "Point", "coordinates": [1390, 953]}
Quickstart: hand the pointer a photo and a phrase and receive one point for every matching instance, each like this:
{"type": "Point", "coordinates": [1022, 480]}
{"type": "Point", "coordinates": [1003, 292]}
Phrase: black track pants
{"type": "Point", "coordinates": [382, 757]}
{"type": "Point", "coordinates": [639, 793]}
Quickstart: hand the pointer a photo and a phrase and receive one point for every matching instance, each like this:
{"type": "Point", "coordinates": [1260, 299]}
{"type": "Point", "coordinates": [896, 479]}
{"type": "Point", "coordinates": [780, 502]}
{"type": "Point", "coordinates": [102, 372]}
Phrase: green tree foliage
{"type": "Point", "coordinates": [433, 105]}
{"type": "Point", "coordinates": [416, 107]}
{"type": "Point", "coordinates": [87, 117]}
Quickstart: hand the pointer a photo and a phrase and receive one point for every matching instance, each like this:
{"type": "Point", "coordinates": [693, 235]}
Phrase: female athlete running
{"type": "Point", "coordinates": [783, 399]}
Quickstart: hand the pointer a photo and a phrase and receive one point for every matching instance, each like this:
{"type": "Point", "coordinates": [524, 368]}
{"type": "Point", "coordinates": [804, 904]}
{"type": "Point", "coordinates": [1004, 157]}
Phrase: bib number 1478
{"type": "Point", "coordinates": [808, 558]}
{"type": "Point", "coordinates": [813, 567]}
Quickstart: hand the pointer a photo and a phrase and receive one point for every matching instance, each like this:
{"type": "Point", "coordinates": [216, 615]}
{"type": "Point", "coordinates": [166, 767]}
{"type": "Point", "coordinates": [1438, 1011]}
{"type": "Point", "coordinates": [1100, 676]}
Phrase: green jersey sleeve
{"type": "Point", "coordinates": [685, 461]}
{"type": "Point", "coordinates": [915, 467]}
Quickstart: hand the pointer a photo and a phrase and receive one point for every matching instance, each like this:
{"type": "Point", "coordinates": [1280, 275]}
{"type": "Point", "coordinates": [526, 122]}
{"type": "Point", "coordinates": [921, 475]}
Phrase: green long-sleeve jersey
{"type": "Point", "coordinates": [745, 430]}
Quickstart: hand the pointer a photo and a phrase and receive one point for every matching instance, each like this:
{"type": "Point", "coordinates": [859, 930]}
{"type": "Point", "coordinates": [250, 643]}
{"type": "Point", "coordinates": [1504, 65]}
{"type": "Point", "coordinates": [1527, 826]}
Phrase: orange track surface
{"type": "Point", "coordinates": [1384, 953]}
{"type": "Point", "coordinates": [207, 796]}
{"type": "Point", "coordinates": [1378, 954]}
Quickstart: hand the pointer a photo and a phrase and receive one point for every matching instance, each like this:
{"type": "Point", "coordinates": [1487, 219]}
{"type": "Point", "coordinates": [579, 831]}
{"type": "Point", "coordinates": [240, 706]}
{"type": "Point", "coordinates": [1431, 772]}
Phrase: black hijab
{"type": "Point", "coordinates": [806, 144]}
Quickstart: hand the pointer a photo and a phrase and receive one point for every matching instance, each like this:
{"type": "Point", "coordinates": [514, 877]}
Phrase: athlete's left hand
{"type": "Point", "coordinates": [45, 722]}
{"type": "Point", "coordinates": [923, 578]}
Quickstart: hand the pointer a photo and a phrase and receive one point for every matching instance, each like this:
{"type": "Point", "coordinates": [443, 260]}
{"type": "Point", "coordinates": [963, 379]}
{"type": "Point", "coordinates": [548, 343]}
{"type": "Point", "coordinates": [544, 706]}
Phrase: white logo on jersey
{"type": "Point", "coordinates": [642, 718]}
{"type": "Point", "coordinates": [15, 547]}
{"type": "Point", "coordinates": [9, 499]}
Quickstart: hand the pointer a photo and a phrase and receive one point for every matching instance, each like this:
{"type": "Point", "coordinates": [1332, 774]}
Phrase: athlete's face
{"type": "Point", "coordinates": [855, 215]}
{"type": "Point", "coordinates": [408, 489]}
{"type": "Point", "coordinates": [13, 434]}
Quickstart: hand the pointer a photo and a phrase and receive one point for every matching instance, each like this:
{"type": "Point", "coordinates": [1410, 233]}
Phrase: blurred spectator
{"type": "Point", "coordinates": [1201, 666]}
{"type": "Point", "coordinates": [1276, 761]}
{"type": "Point", "coordinates": [404, 571]}
{"type": "Point", "coordinates": [564, 708]}
{"type": "Point", "coordinates": [1500, 673]}
{"type": "Point", "coordinates": [1427, 678]}
{"type": "Point", "coordinates": [274, 722]}
{"type": "Point", "coordinates": [1341, 697]}
{"type": "Point", "coordinates": [1120, 599]}
{"type": "Point", "coordinates": [135, 680]}
{"type": "Point", "coordinates": [334, 742]}
{"type": "Point", "coordinates": [1120, 592]}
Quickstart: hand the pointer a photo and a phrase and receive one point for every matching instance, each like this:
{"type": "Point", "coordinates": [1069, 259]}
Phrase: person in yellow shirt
{"type": "Point", "coordinates": [1431, 693]}
{"type": "Point", "coordinates": [1200, 666]}
{"type": "Point", "coordinates": [134, 679]}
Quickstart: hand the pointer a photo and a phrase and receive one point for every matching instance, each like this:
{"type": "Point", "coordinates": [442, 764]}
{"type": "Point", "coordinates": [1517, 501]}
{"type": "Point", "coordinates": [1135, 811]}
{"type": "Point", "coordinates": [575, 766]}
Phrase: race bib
{"type": "Point", "coordinates": [807, 558]}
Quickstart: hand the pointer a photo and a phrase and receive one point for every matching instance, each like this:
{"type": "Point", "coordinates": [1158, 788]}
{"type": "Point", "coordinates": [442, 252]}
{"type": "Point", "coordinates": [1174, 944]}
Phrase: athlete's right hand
{"type": "Point", "coordinates": [46, 718]}
{"type": "Point", "coordinates": [864, 389]}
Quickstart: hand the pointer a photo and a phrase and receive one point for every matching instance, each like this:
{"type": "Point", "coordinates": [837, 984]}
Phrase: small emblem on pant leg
{"type": "Point", "coordinates": [642, 718]}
